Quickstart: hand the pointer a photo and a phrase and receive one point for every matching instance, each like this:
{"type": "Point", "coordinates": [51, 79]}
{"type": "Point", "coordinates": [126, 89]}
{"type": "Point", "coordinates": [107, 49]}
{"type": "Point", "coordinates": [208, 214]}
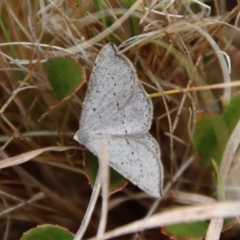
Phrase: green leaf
{"type": "Point", "coordinates": [186, 230]}
{"type": "Point", "coordinates": [210, 138]}
{"type": "Point", "coordinates": [106, 20]}
{"type": "Point", "coordinates": [213, 131]}
{"type": "Point", "coordinates": [64, 75]}
{"type": "Point", "coordinates": [47, 232]}
{"type": "Point", "coordinates": [232, 113]}
{"type": "Point", "coordinates": [133, 20]}
{"type": "Point", "coordinates": [5, 33]}
{"type": "Point", "coordinates": [117, 181]}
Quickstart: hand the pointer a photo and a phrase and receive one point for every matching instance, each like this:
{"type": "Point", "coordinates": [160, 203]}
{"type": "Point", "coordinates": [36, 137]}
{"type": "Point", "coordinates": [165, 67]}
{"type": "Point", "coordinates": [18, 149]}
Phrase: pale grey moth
{"type": "Point", "coordinates": [117, 107]}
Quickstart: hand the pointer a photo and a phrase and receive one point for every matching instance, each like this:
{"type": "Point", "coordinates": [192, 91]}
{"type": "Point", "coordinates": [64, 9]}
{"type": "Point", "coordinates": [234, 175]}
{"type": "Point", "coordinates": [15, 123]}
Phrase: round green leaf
{"type": "Point", "coordinates": [194, 230]}
{"type": "Point", "coordinates": [64, 75]}
{"type": "Point", "coordinates": [213, 131]}
{"type": "Point", "coordinates": [117, 181]}
{"type": "Point", "coordinates": [47, 232]}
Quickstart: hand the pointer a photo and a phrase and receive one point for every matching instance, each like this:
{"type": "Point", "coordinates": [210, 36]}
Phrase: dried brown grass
{"type": "Point", "coordinates": [176, 46]}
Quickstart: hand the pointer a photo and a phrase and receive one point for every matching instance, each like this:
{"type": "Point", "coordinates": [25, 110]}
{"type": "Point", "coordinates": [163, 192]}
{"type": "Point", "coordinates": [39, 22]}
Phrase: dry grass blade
{"type": "Point", "coordinates": [215, 228]}
{"type": "Point", "coordinates": [90, 208]}
{"type": "Point", "coordinates": [24, 157]}
{"type": "Point", "coordinates": [230, 164]}
{"type": "Point", "coordinates": [191, 214]}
